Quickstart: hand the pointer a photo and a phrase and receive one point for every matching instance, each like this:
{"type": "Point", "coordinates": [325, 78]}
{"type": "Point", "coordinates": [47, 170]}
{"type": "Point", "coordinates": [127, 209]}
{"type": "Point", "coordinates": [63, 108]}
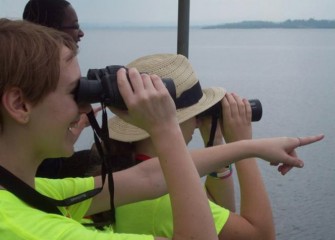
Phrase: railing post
{"type": "Point", "coordinates": [183, 27]}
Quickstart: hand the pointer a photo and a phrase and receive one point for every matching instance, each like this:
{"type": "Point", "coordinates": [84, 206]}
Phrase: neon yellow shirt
{"type": "Point", "coordinates": [155, 217]}
{"type": "Point", "coordinates": [20, 221]}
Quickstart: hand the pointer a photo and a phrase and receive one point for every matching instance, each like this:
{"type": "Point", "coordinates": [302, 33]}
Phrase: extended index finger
{"type": "Point", "coordinates": [310, 139]}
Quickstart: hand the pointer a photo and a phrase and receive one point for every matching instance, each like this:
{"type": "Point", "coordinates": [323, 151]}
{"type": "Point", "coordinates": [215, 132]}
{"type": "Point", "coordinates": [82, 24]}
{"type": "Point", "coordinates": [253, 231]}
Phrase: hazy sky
{"type": "Point", "coordinates": [131, 12]}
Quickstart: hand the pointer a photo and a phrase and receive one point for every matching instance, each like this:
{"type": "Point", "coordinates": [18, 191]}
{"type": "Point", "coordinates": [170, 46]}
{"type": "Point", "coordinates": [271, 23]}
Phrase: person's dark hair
{"type": "Point", "coordinates": [121, 156]}
{"type": "Point", "coordinates": [78, 165]}
{"type": "Point", "coordinates": [49, 13]}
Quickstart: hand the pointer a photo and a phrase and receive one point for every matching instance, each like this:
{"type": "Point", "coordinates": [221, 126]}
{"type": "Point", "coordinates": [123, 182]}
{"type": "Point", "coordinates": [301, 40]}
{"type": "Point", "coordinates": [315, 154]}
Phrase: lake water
{"type": "Point", "coordinates": [292, 72]}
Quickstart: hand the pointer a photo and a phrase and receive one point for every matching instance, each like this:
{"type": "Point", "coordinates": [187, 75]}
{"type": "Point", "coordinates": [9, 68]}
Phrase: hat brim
{"type": "Point", "coordinates": [125, 132]}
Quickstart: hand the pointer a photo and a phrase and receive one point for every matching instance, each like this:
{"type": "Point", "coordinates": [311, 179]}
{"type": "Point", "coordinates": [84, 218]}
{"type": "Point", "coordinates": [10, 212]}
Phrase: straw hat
{"type": "Point", "coordinates": [191, 99]}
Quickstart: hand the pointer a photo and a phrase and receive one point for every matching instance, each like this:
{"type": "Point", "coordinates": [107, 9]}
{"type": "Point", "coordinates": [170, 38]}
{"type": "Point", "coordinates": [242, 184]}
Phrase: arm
{"type": "Point", "coordinates": [255, 219]}
{"type": "Point", "coordinates": [146, 181]}
{"type": "Point", "coordinates": [221, 191]}
{"type": "Point", "coordinates": [151, 108]}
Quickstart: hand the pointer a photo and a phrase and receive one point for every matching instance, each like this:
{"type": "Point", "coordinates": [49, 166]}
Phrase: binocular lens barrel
{"type": "Point", "coordinates": [256, 110]}
{"type": "Point", "coordinates": [89, 91]}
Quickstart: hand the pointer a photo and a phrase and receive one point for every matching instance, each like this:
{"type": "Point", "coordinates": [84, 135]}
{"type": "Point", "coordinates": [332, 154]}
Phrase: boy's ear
{"type": "Point", "coordinates": [16, 105]}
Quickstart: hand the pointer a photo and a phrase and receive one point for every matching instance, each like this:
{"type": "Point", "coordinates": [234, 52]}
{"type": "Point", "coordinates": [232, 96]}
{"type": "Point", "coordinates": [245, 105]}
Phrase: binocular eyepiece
{"type": "Point", "coordinates": [216, 110]}
{"type": "Point", "coordinates": [100, 86]}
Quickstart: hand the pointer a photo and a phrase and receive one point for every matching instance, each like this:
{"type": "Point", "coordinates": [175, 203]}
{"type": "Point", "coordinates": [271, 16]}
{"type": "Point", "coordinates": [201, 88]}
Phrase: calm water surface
{"type": "Point", "coordinates": [292, 73]}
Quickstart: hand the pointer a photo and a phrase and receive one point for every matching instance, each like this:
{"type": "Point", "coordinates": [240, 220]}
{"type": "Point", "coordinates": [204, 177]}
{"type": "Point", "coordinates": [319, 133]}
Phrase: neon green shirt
{"type": "Point", "coordinates": [155, 217]}
{"type": "Point", "coordinates": [20, 221]}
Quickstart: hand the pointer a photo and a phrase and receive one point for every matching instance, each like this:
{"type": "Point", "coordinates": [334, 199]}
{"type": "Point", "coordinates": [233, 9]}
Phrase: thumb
{"type": "Point", "coordinates": [294, 161]}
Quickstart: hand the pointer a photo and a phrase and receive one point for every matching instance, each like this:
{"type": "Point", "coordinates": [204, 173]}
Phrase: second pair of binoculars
{"type": "Point", "coordinates": [216, 110]}
{"type": "Point", "coordinates": [100, 86]}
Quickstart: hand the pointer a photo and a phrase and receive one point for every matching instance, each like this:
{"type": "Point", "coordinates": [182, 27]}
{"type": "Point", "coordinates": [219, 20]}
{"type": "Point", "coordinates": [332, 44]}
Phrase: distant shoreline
{"type": "Point", "coordinates": [289, 24]}
{"type": "Point", "coordinates": [311, 23]}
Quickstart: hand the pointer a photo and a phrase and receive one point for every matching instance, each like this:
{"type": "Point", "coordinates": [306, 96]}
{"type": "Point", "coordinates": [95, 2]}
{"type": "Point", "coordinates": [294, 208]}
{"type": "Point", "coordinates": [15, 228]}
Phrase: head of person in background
{"type": "Point", "coordinates": [57, 14]}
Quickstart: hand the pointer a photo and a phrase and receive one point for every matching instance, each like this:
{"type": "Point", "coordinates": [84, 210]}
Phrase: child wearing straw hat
{"type": "Point", "coordinates": [154, 216]}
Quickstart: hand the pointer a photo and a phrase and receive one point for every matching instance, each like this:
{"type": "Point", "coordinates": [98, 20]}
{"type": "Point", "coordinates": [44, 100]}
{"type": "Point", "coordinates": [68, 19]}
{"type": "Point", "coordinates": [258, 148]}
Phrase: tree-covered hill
{"type": "Point", "coordinates": [311, 23]}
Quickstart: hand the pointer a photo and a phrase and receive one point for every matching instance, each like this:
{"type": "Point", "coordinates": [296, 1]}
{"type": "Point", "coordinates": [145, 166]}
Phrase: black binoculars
{"type": "Point", "coordinates": [216, 110]}
{"type": "Point", "coordinates": [100, 86]}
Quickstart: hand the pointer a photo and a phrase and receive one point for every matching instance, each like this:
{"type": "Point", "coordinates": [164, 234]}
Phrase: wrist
{"type": "Point", "coordinates": [248, 147]}
{"type": "Point", "coordinates": [172, 135]}
{"type": "Point", "coordinates": [222, 174]}
{"type": "Point", "coordinates": [168, 127]}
